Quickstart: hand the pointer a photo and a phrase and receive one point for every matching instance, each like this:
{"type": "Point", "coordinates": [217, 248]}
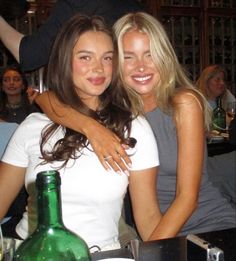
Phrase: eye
{"type": "Point", "coordinates": [17, 79]}
{"type": "Point", "coordinates": [127, 57]}
{"type": "Point", "coordinates": [148, 55]}
{"type": "Point", "coordinates": [6, 79]}
{"type": "Point", "coordinates": [85, 57]}
{"type": "Point", "coordinates": [108, 58]}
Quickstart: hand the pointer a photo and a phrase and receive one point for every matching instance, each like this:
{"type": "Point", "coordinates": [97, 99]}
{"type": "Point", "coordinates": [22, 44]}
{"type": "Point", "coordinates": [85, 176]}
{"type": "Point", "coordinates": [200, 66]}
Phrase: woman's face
{"type": "Point", "coordinates": [139, 71]}
{"type": "Point", "coordinates": [92, 66]}
{"type": "Point", "coordinates": [12, 83]}
{"type": "Point", "coordinates": [216, 85]}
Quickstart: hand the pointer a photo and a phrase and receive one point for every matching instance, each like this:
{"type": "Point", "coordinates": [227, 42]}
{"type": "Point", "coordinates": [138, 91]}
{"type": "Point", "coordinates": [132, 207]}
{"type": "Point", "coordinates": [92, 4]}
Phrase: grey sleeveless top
{"type": "Point", "coordinates": [213, 211]}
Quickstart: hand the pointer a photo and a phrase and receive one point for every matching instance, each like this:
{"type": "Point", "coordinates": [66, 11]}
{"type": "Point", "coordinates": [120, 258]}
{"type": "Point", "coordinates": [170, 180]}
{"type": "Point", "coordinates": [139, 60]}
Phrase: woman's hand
{"type": "Point", "coordinates": [108, 147]}
{"type": "Point", "coordinates": [105, 143]}
{"type": "Point", "coordinates": [32, 94]}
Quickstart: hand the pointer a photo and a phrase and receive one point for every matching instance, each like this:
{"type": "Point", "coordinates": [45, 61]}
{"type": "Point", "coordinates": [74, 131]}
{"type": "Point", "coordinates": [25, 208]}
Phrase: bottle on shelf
{"type": "Point", "coordinates": [219, 117]}
{"type": "Point", "coordinates": [51, 240]}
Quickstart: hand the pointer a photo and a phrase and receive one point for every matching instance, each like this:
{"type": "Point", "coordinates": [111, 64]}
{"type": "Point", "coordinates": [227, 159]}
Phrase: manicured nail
{"type": "Point", "coordinates": [126, 173]}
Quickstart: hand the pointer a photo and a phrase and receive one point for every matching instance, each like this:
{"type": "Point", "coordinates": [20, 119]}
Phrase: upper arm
{"type": "Point", "coordinates": [11, 181]}
{"type": "Point", "coordinates": [189, 120]}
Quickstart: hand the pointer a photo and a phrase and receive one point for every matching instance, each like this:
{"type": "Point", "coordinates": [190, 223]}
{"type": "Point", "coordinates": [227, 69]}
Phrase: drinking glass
{"type": "Point", "coordinates": [230, 112]}
{"type": "Point", "coordinates": [1, 244]}
{"type": "Point", "coordinates": [7, 247]}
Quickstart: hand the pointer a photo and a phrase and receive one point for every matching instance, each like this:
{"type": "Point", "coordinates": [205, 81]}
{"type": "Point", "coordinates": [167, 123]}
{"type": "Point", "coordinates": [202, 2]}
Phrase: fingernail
{"type": "Point", "coordinates": [126, 173]}
{"type": "Point", "coordinates": [130, 165]}
{"type": "Point", "coordinates": [118, 172]}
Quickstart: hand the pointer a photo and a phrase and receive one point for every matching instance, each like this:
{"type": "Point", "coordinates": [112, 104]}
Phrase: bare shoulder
{"type": "Point", "coordinates": [185, 96]}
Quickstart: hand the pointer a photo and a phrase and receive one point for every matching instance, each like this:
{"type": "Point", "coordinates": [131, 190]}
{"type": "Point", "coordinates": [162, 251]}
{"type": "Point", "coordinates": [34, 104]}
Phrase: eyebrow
{"type": "Point", "coordinates": [90, 52]}
{"type": "Point", "coordinates": [129, 52]}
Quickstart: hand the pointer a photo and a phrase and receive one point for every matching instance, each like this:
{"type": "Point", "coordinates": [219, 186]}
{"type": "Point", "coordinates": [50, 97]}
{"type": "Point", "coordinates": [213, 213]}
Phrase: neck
{"type": "Point", "coordinates": [14, 99]}
{"type": "Point", "coordinates": [149, 102]}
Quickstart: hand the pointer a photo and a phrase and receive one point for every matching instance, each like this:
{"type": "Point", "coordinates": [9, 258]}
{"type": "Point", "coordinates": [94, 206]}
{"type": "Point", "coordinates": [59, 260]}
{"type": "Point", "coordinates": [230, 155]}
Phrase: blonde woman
{"type": "Point", "coordinates": [212, 83]}
{"type": "Point", "coordinates": [179, 116]}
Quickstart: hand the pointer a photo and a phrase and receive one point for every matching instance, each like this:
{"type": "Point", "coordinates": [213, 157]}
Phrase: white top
{"type": "Point", "coordinates": [91, 197]}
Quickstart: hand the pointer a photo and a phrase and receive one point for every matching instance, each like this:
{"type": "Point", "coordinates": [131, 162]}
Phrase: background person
{"type": "Point", "coordinates": [212, 83]}
{"type": "Point", "coordinates": [15, 104]}
{"type": "Point", "coordinates": [40, 42]}
{"type": "Point", "coordinates": [177, 112]}
{"type": "Point", "coordinates": [80, 73]}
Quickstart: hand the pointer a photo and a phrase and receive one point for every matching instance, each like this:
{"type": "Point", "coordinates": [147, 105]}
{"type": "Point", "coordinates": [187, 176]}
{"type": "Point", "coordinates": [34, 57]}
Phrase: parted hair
{"type": "Point", "coordinates": [114, 110]}
{"type": "Point", "coordinates": [173, 78]}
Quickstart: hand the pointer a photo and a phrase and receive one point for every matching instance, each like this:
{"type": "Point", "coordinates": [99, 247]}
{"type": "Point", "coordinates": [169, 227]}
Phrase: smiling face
{"type": "Point", "coordinates": [139, 71]}
{"type": "Point", "coordinates": [92, 66]}
{"type": "Point", "coordinates": [12, 83]}
{"type": "Point", "coordinates": [216, 85]}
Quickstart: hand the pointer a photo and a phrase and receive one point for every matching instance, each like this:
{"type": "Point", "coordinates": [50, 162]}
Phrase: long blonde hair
{"type": "Point", "coordinates": [172, 75]}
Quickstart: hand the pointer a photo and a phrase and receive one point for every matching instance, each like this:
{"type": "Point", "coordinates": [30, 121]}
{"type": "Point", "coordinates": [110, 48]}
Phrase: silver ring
{"type": "Point", "coordinates": [108, 157]}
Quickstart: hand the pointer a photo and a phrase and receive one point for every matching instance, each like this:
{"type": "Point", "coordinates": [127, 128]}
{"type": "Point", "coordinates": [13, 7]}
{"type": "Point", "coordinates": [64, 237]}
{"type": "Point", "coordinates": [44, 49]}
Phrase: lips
{"type": "Point", "coordinates": [97, 80]}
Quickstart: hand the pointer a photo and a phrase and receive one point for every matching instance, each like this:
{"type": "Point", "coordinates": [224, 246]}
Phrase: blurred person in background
{"type": "Point", "coordinates": [16, 100]}
{"type": "Point", "coordinates": [213, 83]}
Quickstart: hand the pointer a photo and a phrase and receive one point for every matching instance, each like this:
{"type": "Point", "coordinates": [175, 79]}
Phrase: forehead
{"type": "Point", "coordinates": [218, 75]}
{"type": "Point", "coordinates": [135, 37]}
{"type": "Point", "coordinates": [93, 39]}
{"type": "Point", "coordinates": [11, 73]}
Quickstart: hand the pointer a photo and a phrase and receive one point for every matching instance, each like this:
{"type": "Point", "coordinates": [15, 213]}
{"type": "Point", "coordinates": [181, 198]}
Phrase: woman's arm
{"type": "Point", "coordinates": [10, 38]}
{"type": "Point", "coordinates": [11, 182]}
{"type": "Point", "coordinates": [104, 142]}
{"type": "Point", "coordinates": [142, 188]}
{"type": "Point", "coordinates": [189, 122]}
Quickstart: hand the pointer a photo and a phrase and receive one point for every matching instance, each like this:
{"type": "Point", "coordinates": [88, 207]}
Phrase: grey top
{"type": "Point", "coordinates": [213, 211]}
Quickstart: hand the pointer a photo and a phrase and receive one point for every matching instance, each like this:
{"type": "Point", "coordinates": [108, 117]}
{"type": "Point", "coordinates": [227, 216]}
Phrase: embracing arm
{"type": "Point", "coordinates": [10, 38]}
{"type": "Point", "coordinates": [104, 142]}
{"type": "Point", "coordinates": [11, 182]}
{"type": "Point", "coordinates": [189, 122]}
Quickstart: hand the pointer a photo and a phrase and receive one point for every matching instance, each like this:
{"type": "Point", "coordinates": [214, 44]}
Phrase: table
{"type": "Point", "coordinates": [220, 148]}
{"type": "Point", "coordinates": [175, 249]}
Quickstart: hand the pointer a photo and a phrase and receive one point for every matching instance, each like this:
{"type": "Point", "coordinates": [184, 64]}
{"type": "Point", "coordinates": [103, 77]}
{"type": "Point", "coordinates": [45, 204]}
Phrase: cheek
{"type": "Point", "coordinates": [79, 69]}
{"type": "Point", "coordinates": [108, 69]}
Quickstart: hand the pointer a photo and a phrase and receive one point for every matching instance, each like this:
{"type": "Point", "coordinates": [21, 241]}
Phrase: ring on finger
{"type": "Point", "coordinates": [108, 157]}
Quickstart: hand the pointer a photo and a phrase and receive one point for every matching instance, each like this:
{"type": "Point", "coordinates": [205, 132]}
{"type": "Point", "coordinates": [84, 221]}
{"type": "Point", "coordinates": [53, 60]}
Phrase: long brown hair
{"type": "Point", "coordinates": [114, 111]}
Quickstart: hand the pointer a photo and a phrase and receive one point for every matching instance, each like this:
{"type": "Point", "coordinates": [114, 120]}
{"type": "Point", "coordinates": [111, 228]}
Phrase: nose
{"type": "Point", "coordinates": [98, 66]}
{"type": "Point", "coordinates": [11, 81]}
{"type": "Point", "coordinates": [140, 65]}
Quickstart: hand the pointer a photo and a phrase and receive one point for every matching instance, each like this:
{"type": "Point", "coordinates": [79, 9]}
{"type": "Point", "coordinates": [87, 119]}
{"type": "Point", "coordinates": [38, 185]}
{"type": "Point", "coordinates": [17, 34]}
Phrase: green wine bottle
{"type": "Point", "coordinates": [51, 241]}
{"type": "Point", "coordinates": [219, 117]}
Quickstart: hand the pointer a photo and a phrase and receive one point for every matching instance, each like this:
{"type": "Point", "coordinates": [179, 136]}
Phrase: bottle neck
{"type": "Point", "coordinates": [218, 102]}
{"type": "Point", "coordinates": [49, 202]}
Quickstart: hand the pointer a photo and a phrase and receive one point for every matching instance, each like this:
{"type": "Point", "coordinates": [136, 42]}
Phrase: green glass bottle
{"type": "Point", "coordinates": [219, 117]}
{"type": "Point", "coordinates": [51, 241]}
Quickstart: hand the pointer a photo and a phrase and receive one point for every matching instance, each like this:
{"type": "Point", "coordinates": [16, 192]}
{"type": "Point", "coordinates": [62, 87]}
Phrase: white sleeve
{"type": "Point", "coordinates": [145, 154]}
